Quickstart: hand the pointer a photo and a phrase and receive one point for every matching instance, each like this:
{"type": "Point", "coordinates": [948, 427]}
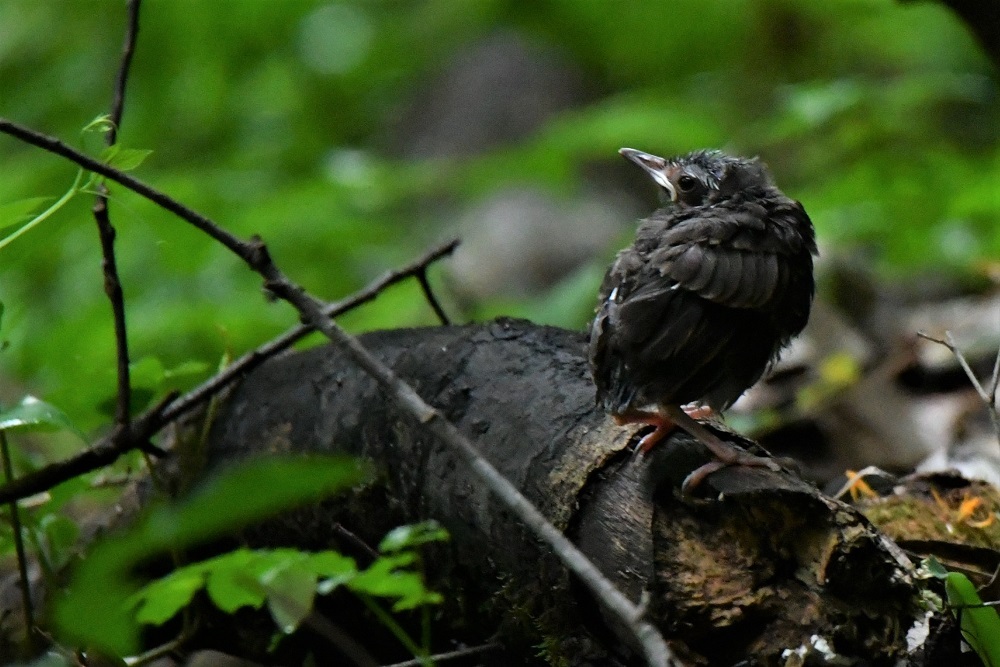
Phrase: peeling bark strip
{"type": "Point", "coordinates": [762, 567]}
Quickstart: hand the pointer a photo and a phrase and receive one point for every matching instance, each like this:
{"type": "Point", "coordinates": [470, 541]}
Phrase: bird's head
{"type": "Point", "coordinates": [700, 177]}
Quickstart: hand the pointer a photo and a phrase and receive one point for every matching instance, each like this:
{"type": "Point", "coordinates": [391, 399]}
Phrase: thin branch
{"type": "Point", "coordinates": [107, 449]}
{"type": "Point", "coordinates": [989, 397]}
{"type": "Point", "coordinates": [431, 298]}
{"type": "Point", "coordinates": [128, 50]}
{"type": "Point", "coordinates": [22, 560]}
{"type": "Point", "coordinates": [254, 358]}
{"type": "Point", "coordinates": [106, 231]}
{"type": "Point", "coordinates": [358, 543]}
{"type": "Point", "coordinates": [113, 288]}
{"type": "Point", "coordinates": [995, 378]}
{"type": "Point", "coordinates": [450, 655]}
{"type": "Point", "coordinates": [242, 250]}
{"type": "Point", "coordinates": [645, 636]}
{"type": "Point", "coordinates": [104, 452]}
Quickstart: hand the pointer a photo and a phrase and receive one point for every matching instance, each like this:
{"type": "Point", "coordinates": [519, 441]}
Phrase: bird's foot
{"type": "Point", "coordinates": [663, 425]}
{"type": "Point", "coordinates": [740, 458]}
{"type": "Point", "coordinates": [725, 453]}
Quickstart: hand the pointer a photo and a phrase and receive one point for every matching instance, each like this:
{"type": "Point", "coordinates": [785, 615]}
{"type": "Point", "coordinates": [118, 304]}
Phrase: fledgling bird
{"type": "Point", "coordinates": [717, 282]}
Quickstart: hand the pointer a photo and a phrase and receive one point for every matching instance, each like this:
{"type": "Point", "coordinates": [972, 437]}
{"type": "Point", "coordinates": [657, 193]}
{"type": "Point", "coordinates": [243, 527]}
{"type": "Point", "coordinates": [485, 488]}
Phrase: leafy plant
{"type": "Point", "coordinates": [980, 624]}
{"type": "Point", "coordinates": [287, 580]}
{"type": "Point", "coordinates": [95, 609]}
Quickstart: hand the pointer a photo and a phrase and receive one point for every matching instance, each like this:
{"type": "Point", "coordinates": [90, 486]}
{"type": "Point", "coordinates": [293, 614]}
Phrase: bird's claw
{"type": "Point", "coordinates": [698, 475]}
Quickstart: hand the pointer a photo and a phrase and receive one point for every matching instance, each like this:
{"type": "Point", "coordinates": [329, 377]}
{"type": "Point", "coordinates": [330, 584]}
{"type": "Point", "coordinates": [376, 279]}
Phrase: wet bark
{"type": "Point", "coordinates": [758, 563]}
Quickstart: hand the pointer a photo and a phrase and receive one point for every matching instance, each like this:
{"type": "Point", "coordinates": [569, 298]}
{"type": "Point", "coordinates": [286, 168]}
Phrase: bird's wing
{"type": "Point", "coordinates": [660, 318]}
{"type": "Point", "coordinates": [738, 259]}
{"type": "Point", "coordinates": [648, 316]}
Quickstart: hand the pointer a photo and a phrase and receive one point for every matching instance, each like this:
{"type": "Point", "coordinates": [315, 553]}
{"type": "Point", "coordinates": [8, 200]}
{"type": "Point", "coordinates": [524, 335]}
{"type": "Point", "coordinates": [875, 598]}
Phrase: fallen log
{"type": "Point", "coordinates": [758, 565]}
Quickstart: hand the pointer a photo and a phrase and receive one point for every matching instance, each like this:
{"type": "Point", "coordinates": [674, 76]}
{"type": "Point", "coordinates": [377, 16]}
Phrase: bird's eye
{"type": "Point", "coordinates": [687, 183]}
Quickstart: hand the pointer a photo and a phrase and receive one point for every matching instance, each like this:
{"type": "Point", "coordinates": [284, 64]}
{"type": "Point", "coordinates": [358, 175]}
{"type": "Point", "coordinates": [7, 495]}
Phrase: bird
{"type": "Point", "coordinates": [717, 282]}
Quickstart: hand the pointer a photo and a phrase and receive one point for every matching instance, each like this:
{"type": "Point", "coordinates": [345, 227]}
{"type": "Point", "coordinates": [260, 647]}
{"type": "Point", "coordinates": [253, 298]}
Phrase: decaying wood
{"type": "Point", "coordinates": [758, 564]}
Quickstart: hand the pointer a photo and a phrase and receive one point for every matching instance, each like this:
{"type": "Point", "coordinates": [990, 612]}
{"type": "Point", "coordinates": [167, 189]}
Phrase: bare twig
{"type": "Point", "coordinates": [128, 50]}
{"type": "Point", "coordinates": [431, 298]}
{"type": "Point", "coordinates": [104, 452]}
{"type": "Point", "coordinates": [113, 288]}
{"type": "Point", "coordinates": [254, 358]}
{"type": "Point", "coordinates": [107, 449]}
{"type": "Point", "coordinates": [358, 543]}
{"type": "Point", "coordinates": [22, 560]}
{"type": "Point", "coordinates": [243, 250]}
{"type": "Point", "coordinates": [254, 252]}
{"type": "Point", "coordinates": [646, 636]}
{"type": "Point", "coordinates": [987, 394]}
{"type": "Point", "coordinates": [112, 284]}
{"type": "Point", "coordinates": [450, 655]}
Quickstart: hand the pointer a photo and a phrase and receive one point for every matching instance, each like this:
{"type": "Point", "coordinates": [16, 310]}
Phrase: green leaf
{"type": "Point", "coordinates": [60, 534]}
{"type": "Point", "coordinates": [935, 568]}
{"type": "Point", "coordinates": [13, 215]}
{"type": "Point", "coordinates": [95, 609]}
{"type": "Point", "coordinates": [384, 578]}
{"type": "Point", "coordinates": [291, 588]}
{"type": "Point", "coordinates": [412, 535]}
{"type": "Point", "coordinates": [980, 625]}
{"type": "Point", "coordinates": [185, 369]}
{"type": "Point", "coordinates": [332, 564]}
{"type": "Point", "coordinates": [124, 159]}
{"type": "Point", "coordinates": [32, 414]}
{"type": "Point", "coordinates": [229, 579]}
{"type": "Point", "coordinates": [160, 601]}
{"type": "Point", "coordinates": [11, 233]}
{"type": "Point", "coordinates": [249, 492]}
{"type": "Point", "coordinates": [101, 124]}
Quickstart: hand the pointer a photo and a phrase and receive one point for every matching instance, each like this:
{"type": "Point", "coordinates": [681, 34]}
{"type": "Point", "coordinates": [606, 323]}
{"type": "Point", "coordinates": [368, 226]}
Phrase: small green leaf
{"type": "Point", "coordinates": [147, 372]}
{"type": "Point", "coordinates": [14, 214]}
{"type": "Point", "coordinates": [160, 601]}
{"type": "Point", "coordinates": [150, 378]}
{"type": "Point", "coordinates": [412, 535]}
{"type": "Point", "coordinates": [11, 232]}
{"type": "Point", "coordinates": [95, 607]}
{"type": "Point", "coordinates": [291, 589]}
{"type": "Point", "coordinates": [60, 535]}
{"type": "Point", "coordinates": [32, 414]}
{"type": "Point", "coordinates": [231, 582]}
{"type": "Point", "coordinates": [384, 578]}
{"type": "Point", "coordinates": [124, 159]}
{"type": "Point", "coordinates": [935, 568]}
{"type": "Point", "coordinates": [185, 368]}
{"type": "Point", "coordinates": [101, 123]}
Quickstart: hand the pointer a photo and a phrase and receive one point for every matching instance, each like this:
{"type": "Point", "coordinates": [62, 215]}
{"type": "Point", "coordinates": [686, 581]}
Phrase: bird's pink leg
{"type": "Point", "coordinates": [663, 425]}
{"type": "Point", "coordinates": [726, 453]}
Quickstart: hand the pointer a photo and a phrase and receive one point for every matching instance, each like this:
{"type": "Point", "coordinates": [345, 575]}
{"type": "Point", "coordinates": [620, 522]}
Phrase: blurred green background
{"type": "Point", "coordinates": [353, 135]}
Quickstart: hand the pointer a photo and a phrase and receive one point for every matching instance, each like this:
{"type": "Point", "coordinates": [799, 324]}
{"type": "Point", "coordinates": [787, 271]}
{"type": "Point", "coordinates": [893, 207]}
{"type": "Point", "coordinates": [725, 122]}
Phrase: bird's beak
{"type": "Point", "coordinates": [653, 165]}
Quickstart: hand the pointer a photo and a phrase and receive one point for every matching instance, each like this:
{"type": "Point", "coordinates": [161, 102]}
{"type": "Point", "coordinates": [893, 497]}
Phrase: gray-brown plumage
{"type": "Point", "coordinates": [716, 283]}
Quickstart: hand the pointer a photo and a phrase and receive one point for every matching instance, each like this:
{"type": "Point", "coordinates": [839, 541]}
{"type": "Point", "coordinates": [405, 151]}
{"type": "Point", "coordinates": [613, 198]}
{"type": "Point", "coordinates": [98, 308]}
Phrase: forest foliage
{"type": "Point", "coordinates": [294, 120]}
{"type": "Point", "coordinates": [282, 119]}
